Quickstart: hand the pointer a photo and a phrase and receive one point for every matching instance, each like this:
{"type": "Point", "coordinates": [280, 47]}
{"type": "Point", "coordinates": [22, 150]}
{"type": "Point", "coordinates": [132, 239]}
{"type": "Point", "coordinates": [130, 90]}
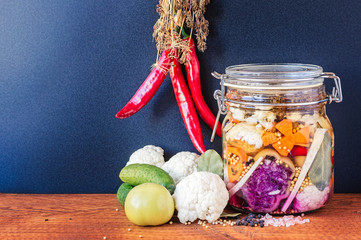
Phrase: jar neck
{"type": "Point", "coordinates": [278, 98]}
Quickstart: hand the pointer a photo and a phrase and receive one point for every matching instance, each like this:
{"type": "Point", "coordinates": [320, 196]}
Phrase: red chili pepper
{"type": "Point", "coordinates": [149, 87]}
{"type": "Point", "coordinates": [333, 161]}
{"type": "Point", "coordinates": [194, 82]}
{"type": "Point", "coordinates": [298, 151]}
{"type": "Point", "coordinates": [186, 106]}
{"type": "Point", "coordinates": [333, 157]}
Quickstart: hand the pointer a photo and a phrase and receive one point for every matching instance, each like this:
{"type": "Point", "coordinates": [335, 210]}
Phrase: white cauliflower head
{"type": "Point", "coordinates": [200, 195]}
{"type": "Point", "coordinates": [311, 198]}
{"type": "Point", "coordinates": [181, 165]}
{"type": "Point", "coordinates": [149, 155]}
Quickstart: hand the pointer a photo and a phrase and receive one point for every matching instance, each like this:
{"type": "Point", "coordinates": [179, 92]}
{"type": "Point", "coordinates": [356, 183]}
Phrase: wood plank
{"type": "Point", "coordinates": [94, 216]}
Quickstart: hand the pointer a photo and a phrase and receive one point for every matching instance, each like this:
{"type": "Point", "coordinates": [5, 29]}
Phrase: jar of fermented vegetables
{"type": "Point", "coordinates": [278, 143]}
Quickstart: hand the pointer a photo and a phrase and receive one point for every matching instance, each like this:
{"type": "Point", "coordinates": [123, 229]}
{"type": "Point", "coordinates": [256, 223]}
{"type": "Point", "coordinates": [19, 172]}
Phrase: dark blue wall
{"type": "Point", "coordinates": [67, 67]}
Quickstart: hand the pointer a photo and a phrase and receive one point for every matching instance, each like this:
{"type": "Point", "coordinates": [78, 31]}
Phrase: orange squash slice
{"type": "Point", "coordinates": [285, 127]}
{"type": "Point", "coordinates": [269, 138]}
{"type": "Point", "coordinates": [245, 146]}
{"type": "Point", "coordinates": [283, 146]}
{"type": "Point", "coordinates": [302, 136]}
{"type": "Point", "coordinates": [236, 157]}
{"type": "Point", "coordinates": [291, 138]}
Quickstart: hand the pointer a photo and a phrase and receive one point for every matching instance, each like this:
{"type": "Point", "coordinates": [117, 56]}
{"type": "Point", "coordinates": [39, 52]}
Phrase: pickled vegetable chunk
{"type": "Point", "coordinates": [267, 186]}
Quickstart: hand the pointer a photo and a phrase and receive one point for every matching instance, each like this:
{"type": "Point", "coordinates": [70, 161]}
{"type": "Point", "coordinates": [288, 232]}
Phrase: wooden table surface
{"type": "Point", "coordinates": [100, 216]}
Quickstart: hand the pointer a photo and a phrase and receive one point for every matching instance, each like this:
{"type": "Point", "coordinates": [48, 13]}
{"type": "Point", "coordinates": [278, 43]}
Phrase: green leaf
{"type": "Point", "coordinates": [210, 161]}
{"type": "Point", "coordinates": [321, 168]}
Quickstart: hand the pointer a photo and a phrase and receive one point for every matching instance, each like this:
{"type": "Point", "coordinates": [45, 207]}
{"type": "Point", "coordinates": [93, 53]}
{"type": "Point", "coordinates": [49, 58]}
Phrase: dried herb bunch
{"type": "Point", "coordinates": [174, 17]}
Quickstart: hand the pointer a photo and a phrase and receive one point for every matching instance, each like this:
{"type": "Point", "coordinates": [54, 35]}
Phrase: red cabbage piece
{"type": "Point", "coordinates": [267, 186]}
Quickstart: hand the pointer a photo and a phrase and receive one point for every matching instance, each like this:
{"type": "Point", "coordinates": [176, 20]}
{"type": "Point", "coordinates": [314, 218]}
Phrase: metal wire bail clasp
{"type": "Point", "coordinates": [219, 95]}
{"type": "Point", "coordinates": [336, 94]}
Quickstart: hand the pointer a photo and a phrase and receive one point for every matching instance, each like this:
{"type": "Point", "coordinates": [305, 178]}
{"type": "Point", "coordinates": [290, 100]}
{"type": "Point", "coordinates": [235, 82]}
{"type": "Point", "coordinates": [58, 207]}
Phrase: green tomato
{"type": "Point", "coordinates": [149, 204]}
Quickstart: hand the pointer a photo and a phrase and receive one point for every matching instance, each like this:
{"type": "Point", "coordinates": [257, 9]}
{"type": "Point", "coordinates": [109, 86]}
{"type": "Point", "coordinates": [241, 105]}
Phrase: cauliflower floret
{"type": "Point", "coordinates": [307, 118]}
{"type": "Point", "coordinates": [200, 195]}
{"type": "Point", "coordinates": [264, 118]}
{"type": "Point", "coordinates": [251, 120]}
{"type": "Point", "coordinates": [267, 125]}
{"type": "Point", "coordinates": [181, 165]}
{"type": "Point", "coordinates": [311, 198]}
{"type": "Point", "coordinates": [310, 119]}
{"type": "Point", "coordinates": [237, 114]}
{"type": "Point", "coordinates": [294, 116]}
{"type": "Point", "coordinates": [248, 133]}
{"type": "Point", "coordinates": [149, 154]}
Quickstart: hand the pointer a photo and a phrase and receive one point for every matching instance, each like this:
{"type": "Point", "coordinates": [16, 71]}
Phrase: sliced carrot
{"type": "Point", "coordinates": [285, 127]}
{"type": "Point", "coordinates": [283, 146]}
{"type": "Point", "coordinates": [233, 120]}
{"type": "Point", "coordinates": [236, 157]}
{"type": "Point", "coordinates": [269, 138]}
{"type": "Point", "coordinates": [302, 136]}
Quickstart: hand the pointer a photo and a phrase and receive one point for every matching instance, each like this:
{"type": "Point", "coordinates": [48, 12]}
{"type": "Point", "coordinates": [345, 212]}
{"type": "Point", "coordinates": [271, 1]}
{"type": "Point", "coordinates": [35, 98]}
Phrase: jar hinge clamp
{"type": "Point", "coordinates": [219, 95]}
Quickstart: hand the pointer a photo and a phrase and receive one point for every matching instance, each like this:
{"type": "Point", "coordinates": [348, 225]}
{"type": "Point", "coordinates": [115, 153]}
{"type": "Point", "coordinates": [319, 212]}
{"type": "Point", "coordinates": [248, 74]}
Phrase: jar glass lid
{"type": "Point", "coordinates": [275, 75]}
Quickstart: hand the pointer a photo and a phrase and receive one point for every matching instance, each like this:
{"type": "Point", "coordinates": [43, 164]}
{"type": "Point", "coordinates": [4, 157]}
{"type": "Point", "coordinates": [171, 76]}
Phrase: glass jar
{"type": "Point", "coordinates": [278, 143]}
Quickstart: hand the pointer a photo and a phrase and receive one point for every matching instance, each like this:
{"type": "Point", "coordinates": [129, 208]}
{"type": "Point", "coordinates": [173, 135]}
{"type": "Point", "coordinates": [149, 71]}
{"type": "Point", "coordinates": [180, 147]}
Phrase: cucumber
{"type": "Point", "coordinates": [123, 191]}
{"type": "Point", "coordinates": [136, 174]}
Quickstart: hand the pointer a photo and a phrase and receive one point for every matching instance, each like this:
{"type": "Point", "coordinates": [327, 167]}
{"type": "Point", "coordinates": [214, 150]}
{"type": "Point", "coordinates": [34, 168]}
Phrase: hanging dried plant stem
{"type": "Point", "coordinates": [176, 16]}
